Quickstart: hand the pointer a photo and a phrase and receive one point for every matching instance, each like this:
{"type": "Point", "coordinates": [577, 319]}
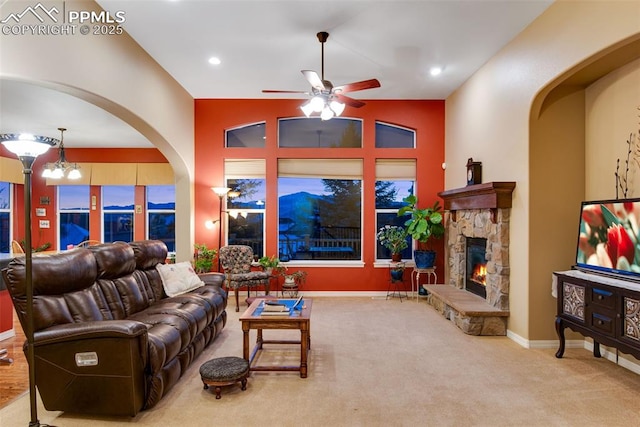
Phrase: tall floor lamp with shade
{"type": "Point", "coordinates": [221, 192]}
{"type": "Point", "coordinates": [28, 147]}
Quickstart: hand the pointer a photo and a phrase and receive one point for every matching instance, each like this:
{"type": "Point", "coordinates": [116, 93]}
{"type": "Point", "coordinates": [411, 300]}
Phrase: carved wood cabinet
{"type": "Point", "coordinates": [603, 308]}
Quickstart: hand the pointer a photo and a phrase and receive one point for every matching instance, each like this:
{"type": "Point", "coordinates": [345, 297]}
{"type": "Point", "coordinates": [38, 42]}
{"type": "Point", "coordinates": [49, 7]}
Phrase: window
{"type": "Point", "coordinates": [161, 214]}
{"type": "Point", "coordinates": [246, 136]}
{"type": "Point", "coordinates": [246, 213]}
{"type": "Point", "coordinates": [117, 213]}
{"type": "Point", "coordinates": [245, 219]}
{"type": "Point", "coordinates": [320, 209]}
{"type": "Point", "coordinates": [5, 216]}
{"type": "Point", "coordinates": [393, 136]}
{"type": "Point", "coordinates": [73, 215]}
{"type": "Point", "coordinates": [394, 181]}
{"type": "Point", "coordinates": [313, 132]}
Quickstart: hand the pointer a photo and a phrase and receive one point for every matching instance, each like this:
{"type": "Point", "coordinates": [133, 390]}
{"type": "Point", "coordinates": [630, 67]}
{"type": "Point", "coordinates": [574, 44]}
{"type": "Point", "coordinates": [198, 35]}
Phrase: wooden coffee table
{"type": "Point", "coordinates": [301, 319]}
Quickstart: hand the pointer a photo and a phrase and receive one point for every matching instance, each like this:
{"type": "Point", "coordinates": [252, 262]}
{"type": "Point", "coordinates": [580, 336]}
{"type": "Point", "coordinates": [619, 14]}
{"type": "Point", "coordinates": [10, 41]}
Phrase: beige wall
{"type": "Point", "coordinates": [492, 118]}
{"type": "Point", "coordinates": [612, 114]}
{"type": "Point", "coordinates": [115, 74]}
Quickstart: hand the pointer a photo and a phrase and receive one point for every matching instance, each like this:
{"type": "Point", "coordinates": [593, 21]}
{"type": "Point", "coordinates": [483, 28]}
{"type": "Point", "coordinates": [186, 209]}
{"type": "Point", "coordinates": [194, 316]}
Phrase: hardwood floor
{"type": "Point", "coordinates": [14, 378]}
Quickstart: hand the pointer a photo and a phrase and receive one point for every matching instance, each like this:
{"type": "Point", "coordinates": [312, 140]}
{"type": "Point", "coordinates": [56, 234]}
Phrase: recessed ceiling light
{"type": "Point", "coordinates": [435, 71]}
{"type": "Point", "coordinates": [214, 60]}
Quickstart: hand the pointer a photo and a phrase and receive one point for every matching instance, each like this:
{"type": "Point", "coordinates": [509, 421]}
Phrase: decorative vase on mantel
{"type": "Point", "coordinates": [396, 257]}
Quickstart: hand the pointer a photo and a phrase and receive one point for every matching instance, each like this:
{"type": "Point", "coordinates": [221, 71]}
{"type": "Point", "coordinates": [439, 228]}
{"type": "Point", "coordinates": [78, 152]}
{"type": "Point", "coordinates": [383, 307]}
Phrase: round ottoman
{"type": "Point", "coordinates": [224, 371]}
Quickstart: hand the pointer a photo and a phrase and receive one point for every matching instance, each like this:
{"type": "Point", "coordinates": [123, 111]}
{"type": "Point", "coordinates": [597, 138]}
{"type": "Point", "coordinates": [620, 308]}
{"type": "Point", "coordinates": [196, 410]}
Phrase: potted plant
{"type": "Point", "coordinates": [203, 258]}
{"type": "Point", "coordinates": [293, 282]}
{"type": "Point", "coordinates": [394, 238]}
{"type": "Point", "coordinates": [397, 272]}
{"type": "Point", "coordinates": [422, 226]}
{"type": "Point", "coordinates": [268, 263]}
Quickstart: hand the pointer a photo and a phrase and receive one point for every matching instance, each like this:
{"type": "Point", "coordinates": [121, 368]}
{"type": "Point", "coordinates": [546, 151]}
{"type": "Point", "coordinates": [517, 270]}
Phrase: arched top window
{"type": "Point", "coordinates": [247, 136]}
{"type": "Point", "coordinates": [394, 136]}
{"type": "Point", "coordinates": [313, 132]}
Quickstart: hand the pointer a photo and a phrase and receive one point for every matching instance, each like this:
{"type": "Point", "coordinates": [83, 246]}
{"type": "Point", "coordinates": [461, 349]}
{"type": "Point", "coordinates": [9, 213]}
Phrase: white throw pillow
{"type": "Point", "coordinates": [178, 278]}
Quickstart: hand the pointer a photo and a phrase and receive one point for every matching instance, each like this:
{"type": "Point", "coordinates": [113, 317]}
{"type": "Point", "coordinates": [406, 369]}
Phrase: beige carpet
{"type": "Point", "coordinates": [386, 363]}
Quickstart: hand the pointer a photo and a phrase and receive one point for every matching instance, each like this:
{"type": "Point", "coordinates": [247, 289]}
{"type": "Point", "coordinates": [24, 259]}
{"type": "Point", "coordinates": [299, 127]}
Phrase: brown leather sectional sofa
{"type": "Point", "coordinates": [107, 338]}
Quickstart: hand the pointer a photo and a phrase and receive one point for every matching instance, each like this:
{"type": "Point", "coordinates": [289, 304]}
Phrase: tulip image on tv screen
{"type": "Point", "coordinates": [608, 236]}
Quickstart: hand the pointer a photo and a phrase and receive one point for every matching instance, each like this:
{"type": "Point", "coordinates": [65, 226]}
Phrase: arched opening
{"type": "Point", "coordinates": [558, 172]}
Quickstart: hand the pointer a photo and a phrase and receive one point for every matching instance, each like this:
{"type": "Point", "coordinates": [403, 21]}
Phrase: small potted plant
{"type": "Point", "coordinates": [397, 272]}
{"type": "Point", "coordinates": [394, 238]}
{"type": "Point", "coordinates": [203, 258]}
{"type": "Point", "coordinates": [268, 263]}
{"type": "Point", "coordinates": [423, 225]}
{"type": "Point", "coordinates": [293, 282]}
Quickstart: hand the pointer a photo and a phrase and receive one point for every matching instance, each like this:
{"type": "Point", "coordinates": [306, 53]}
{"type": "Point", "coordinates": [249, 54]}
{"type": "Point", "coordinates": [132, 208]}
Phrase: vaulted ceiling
{"type": "Point", "coordinates": [265, 45]}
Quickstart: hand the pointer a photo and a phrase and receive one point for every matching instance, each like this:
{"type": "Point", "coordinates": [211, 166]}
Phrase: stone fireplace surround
{"type": "Point", "coordinates": [480, 210]}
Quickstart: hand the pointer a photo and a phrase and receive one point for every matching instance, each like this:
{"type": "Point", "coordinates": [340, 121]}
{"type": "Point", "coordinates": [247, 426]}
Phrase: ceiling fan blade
{"type": "Point", "coordinates": [348, 101]}
{"type": "Point", "coordinates": [353, 87]}
{"type": "Point", "coordinates": [314, 79]}
{"type": "Point", "coordinates": [284, 91]}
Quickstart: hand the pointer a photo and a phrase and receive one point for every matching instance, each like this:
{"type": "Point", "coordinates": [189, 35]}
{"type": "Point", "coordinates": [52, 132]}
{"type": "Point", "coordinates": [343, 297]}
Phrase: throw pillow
{"type": "Point", "coordinates": [178, 278]}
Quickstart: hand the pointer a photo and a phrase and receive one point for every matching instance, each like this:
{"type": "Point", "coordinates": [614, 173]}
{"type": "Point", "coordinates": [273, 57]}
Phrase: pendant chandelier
{"type": "Point", "coordinates": [61, 168]}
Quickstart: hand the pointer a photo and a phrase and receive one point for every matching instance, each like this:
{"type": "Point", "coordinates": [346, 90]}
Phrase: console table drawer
{"type": "Point", "coordinates": [603, 298]}
{"type": "Point", "coordinates": [603, 323]}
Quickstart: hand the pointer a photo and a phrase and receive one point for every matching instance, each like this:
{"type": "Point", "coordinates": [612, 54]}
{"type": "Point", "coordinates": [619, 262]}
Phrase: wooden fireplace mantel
{"type": "Point", "coordinates": [488, 195]}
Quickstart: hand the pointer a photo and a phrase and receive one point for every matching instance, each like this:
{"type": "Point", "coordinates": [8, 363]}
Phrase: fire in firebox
{"type": "Point", "coordinates": [479, 274]}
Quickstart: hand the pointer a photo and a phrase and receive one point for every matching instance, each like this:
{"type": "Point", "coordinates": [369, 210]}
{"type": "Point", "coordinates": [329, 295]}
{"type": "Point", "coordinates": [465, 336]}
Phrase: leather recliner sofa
{"type": "Point", "coordinates": [108, 340]}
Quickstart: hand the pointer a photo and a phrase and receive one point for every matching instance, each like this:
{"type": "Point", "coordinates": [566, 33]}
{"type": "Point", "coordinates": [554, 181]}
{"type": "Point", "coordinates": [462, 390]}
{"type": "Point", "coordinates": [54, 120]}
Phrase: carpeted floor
{"type": "Point", "coordinates": [385, 363]}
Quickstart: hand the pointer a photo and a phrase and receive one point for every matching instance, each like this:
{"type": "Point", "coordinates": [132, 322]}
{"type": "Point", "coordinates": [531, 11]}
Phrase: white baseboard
{"type": "Point", "coordinates": [612, 356]}
{"type": "Point", "coordinates": [362, 294]}
{"type": "Point", "coordinates": [587, 345]}
{"type": "Point", "coordinates": [7, 334]}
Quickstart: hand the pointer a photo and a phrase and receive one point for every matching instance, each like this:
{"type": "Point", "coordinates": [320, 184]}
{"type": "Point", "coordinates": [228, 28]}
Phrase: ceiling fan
{"type": "Point", "coordinates": [326, 99]}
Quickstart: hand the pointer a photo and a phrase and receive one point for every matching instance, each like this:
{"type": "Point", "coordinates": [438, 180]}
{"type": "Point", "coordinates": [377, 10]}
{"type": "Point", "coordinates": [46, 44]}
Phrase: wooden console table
{"type": "Point", "coordinates": [603, 308]}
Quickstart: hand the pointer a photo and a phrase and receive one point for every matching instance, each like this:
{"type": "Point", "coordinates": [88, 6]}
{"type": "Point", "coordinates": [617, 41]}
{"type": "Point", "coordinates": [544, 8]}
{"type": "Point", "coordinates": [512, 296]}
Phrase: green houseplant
{"type": "Point", "coordinates": [269, 263]}
{"type": "Point", "coordinates": [393, 238]}
{"type": "Point", "coordinates": [423, 225]}
{"type": "Point", "coordinates": [203, 258]}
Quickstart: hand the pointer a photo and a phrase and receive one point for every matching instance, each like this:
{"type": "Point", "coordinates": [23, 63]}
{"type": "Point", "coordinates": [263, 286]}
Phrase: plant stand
{"type": "Point", "coordinates": [396, 281]}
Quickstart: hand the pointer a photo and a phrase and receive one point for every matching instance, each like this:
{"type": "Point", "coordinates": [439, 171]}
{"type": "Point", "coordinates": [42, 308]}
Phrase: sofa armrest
{"type": "Point", "coordinates": [216, 279]}
{"type": "Point", "coordinates": [88, 330]}
{"type": "Point", "coordinates": [93, 367]}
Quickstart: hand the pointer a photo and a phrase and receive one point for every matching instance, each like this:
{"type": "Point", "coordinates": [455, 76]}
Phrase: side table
{"type": "Point", "coordinates": [415, 278]}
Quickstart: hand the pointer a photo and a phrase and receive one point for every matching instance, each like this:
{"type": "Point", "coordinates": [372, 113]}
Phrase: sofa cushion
{"type": "Point", "coordinates": [148, 253]}
{"type": "Point", "coordinates": [178, 278]}
{"type": "Point", "coordinates": [114, 259]}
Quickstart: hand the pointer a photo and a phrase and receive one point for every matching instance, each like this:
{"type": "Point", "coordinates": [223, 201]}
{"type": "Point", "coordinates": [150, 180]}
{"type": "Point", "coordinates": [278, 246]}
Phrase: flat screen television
{"type": "Point", "coordinates": [608, 238]}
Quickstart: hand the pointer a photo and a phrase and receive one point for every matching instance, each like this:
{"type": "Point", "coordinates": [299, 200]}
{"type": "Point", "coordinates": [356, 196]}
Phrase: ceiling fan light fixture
{"type": "Point", "coordinates": [317, 103]}
{"type": "Point", "coordinates": [307, 109]}
{"type": "Point", "coordinates": [327, 113]}
{"type": "Point", "coordinates": [337, 107]}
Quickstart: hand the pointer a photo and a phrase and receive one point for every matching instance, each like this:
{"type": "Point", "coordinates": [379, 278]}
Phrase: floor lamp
{"type": "Point", "coordinates": [221, 192]}
{"type": "Point", "coordinates": [27, 148]}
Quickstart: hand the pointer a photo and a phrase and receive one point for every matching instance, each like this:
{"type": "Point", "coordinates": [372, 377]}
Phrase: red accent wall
{"type": "Point", "coordinates": [213, 116]}
{"type": "Point", "coordinates": [6, 311]}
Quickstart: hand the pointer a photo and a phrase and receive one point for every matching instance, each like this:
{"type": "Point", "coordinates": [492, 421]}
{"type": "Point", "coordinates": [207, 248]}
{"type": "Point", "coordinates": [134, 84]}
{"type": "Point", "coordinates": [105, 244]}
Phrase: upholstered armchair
{"type": "Point", "coordinates": [236, 265]}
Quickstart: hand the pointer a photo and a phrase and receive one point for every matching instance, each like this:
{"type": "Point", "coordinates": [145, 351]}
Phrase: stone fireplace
{"type": "Point", "coordinates": [474, 214]}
